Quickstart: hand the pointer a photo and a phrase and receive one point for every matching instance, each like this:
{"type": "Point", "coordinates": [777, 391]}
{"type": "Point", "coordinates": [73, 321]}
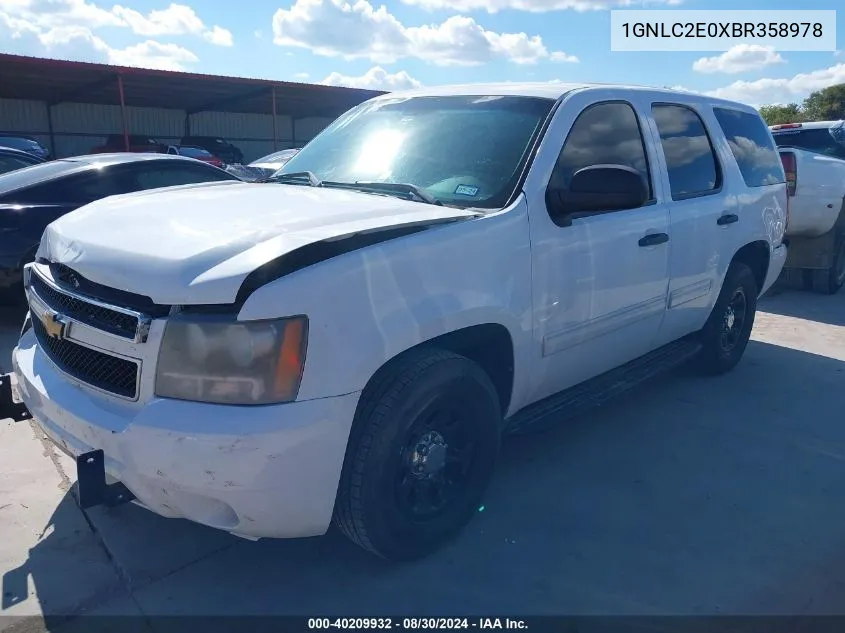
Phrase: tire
{"type": "Point", "coordinates": [410, 405]}
{"type": "Point", "coordinates": [725, 335]}
{"type": "Point", "coordinates": [830, 281]}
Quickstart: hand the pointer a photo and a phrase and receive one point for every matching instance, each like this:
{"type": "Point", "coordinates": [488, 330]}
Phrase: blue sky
{"type": "Point", "coordinates": [400, 43]}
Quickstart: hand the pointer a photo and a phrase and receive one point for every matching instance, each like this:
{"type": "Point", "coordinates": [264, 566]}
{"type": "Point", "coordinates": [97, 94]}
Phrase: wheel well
{"type": "Point", "coordinates": [488, 345]}
{"type": "Point", "coordinates": [756, 256]}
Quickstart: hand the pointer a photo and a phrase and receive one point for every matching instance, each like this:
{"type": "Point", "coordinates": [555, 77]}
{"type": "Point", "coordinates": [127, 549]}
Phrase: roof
{"type": "Point", "coordinates": [11, 151]}
{"type": "Point", "coordinates": [56, 81]}
{"type": "Point", "coordinates": [553, 90]}
{"type": "Point", "coordinates": [810, 125]}
{"type": "Point", "coordinates": [118, 158]}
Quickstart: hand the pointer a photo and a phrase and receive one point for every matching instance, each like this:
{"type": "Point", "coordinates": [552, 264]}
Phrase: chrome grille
{"type": "Point", "coordinates": [100, 317]}
{"type": "Point", "coordinates": [98, 369]}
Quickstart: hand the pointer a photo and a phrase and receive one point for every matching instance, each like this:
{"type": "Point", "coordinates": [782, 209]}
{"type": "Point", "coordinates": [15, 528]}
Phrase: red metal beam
{"type": "Point", "coordinates": [123, 112]}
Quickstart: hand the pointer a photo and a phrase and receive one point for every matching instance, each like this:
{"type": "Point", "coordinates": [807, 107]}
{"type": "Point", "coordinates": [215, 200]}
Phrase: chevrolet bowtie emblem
{"type": "Point", "coordinates": [54, 324]}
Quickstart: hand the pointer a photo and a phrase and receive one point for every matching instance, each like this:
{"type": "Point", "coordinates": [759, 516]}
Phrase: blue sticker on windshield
{"type": "Point", "coordinates": [466, 190]}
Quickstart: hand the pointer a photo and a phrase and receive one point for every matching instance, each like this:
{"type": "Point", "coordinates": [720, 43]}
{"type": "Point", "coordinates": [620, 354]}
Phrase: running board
{"type": "Point", "coordinates": [597, 391]}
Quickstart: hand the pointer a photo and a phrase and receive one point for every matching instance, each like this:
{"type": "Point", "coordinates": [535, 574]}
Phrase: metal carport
{"type": "Point", "coordinates": [53, 82]}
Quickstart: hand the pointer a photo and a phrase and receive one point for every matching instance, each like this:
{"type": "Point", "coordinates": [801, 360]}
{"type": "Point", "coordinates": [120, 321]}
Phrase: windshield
{"type": "Point", "coordinates": [463, 150]}
{"type": "Point", "coordinates": [276, 157]}
{"type": "Point", "coordinates": [828, 141]}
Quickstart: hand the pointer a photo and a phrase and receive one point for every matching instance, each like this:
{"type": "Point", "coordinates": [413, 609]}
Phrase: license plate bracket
{"type": "Point", "coordinates": [91, 483]}
{"type": "Point", "coordinates": [11, 405]}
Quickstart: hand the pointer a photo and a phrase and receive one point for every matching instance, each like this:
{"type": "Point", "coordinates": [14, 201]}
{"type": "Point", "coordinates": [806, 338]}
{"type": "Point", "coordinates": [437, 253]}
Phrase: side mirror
{"type": "Point", "coordinates": [599, 188]}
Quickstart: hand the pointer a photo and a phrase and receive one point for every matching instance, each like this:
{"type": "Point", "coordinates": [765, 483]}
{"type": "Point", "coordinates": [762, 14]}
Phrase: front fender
{"type": "Point", "coordinates": [367, 306]}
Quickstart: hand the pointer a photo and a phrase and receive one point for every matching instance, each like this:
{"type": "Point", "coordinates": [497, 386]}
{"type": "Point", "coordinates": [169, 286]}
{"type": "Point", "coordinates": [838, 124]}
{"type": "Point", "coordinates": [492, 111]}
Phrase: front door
{"type": "Point", "coordinates": [599, 281]}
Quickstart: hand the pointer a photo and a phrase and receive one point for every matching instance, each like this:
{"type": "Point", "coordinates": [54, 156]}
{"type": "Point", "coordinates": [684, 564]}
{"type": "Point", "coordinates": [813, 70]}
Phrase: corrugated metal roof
{"type": "Point", "coordinates": [57, 81]}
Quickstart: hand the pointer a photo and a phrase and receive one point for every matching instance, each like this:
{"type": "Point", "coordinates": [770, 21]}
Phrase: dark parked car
{"type": "Point", "coordinates": [137, 143]}
{"type": "Point", "coordinates": [32, 197]}
{"type": "Point", "coordinates": [25, 144]}
{"type": "Point", "coordinates": [220, 147]}
{"type": "Point", "coordinates": [264, 167]}
{"type": "Point", "coordinates": [11, 159]}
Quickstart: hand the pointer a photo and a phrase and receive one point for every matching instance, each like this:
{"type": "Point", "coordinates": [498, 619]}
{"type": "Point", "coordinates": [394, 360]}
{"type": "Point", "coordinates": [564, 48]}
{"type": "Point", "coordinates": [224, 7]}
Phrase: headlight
{"type": "Point", "coordinates": [232, 362]}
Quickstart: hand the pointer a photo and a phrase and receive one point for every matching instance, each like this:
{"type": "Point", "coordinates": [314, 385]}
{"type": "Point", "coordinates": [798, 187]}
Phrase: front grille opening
{"type": "Point", "coordinates": [106, 372]}
{"type": "Point", "coordinates": [101, 318]}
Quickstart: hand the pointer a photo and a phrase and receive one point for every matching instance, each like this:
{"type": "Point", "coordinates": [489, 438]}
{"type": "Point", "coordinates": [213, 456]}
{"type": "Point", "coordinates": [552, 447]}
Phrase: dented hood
{"type": "Point", "coordinates": [196, 244]}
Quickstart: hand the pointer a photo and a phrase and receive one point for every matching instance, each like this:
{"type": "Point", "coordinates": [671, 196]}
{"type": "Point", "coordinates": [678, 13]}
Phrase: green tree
{"type": "Point", "coordinates": [777, 114]}
{"type": "Point", "coordinates": [827, 104]}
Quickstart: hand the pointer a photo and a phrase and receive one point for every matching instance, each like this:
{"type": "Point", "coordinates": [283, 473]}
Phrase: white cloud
{"type": "Point", "coordinates": [337, 28]}
{"type": "Point", "coordinates": [780, 91]}
{"type": "Point", "coordinates": [176, 19]}
{"type": "Point", "coordinates": [79, 43]}
{"type": "Point", "coordinates": [739, 59]}
{"type": "Point", "coordinates": [152, 54]}
{"type": "Point", "coordinates": [374, 79]}
{"type": "Point", "coordinates": [301, 76]}
{"type": "Point", "coordinates": [534, 6]}
{"type": "Point", "coordinates": [560, 56]}
{"type": "Point", "coordinates": [219, 36]}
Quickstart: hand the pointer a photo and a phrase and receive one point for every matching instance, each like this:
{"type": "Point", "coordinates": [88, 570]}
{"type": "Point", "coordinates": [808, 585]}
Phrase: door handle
{"type": "Point", "coordinates": [728, 218]}
{"type": "Point", "coordinates": [652, 239]}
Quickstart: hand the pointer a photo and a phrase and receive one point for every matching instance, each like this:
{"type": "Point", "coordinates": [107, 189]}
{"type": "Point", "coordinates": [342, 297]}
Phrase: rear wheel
{"type": "Point", "coordinates": [420, 456]}
{"type": "Point", "coordinates": [726, 333]}
{"type": "Point", "coordinates": [830, 281]}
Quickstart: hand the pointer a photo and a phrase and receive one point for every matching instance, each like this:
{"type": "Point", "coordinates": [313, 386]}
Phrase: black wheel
{"type": "Point", "coordinates": [420, 456]}
{"type": "Point", "coordinates": [726, 333]}
{"type": "Point", "coordinates": [830, 281]}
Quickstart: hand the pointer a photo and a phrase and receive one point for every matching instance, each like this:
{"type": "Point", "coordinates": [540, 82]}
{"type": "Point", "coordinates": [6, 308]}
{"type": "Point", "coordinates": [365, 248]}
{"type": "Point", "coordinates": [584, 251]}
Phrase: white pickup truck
{"type": "Point", "coordinates": [813, 156]}
{"type": "Point", "coordinates": [351, 339]}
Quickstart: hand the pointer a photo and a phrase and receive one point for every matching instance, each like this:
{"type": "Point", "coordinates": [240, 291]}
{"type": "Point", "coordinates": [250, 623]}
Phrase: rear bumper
{"type": "Point", "coordinates": [269, 471]}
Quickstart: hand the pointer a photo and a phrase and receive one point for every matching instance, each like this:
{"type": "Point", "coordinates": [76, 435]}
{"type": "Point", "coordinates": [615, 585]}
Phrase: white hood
{"type": "Point", "coordinates": [196, 244]}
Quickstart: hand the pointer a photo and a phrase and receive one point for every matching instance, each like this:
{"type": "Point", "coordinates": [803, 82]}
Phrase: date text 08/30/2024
{"type": "Point", "coordinates": [409, 624]}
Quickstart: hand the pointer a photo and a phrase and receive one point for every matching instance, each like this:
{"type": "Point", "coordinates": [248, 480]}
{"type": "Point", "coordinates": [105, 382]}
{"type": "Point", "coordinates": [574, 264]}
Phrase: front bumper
{"type": "Point", "coordinates": [265, 471]}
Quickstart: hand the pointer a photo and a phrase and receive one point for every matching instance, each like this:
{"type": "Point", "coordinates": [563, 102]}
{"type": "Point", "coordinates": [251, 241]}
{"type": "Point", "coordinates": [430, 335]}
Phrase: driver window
{"type": "Point", "coordinates": [604, 133]}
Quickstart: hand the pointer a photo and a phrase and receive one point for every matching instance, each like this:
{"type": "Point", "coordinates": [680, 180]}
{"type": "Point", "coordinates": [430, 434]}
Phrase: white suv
{"type": "Point", "coordinates": [437, 267]}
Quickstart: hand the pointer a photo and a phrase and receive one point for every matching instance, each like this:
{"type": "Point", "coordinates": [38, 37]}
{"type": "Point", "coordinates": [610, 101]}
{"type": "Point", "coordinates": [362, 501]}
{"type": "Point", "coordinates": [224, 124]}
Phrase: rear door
{"type": "Point", "coordinates": [693, 176]}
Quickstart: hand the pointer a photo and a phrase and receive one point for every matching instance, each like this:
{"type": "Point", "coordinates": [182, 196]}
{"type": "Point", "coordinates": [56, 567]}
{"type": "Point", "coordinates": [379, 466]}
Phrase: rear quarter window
{"type": "Point", "coordinates": [752, 146]}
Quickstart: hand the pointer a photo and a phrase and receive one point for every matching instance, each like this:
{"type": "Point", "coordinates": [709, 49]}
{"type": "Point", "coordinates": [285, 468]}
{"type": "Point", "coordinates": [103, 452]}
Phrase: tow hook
{"type": "Point", "coordinates": [91, 483]}
{"type": "Point", "coordinates": [11, 406]}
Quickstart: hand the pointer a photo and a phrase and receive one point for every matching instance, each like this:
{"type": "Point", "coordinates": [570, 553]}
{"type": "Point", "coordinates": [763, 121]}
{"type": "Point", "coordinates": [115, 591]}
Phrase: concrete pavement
{"type": "Point", "coordinates": [687, 496]}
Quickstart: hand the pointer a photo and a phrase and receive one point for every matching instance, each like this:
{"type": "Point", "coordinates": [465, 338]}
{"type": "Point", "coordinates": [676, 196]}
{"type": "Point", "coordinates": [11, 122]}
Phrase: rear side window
{"type": "Point", "coordinates": [156, 176]}
{"type": "Point", "coordinates": [10, 163]}
{"type": "Point", "coordinates": [752, 146]}
{"type": "Point", "coordinates": [604, 133]}
{"type": "Point", "coordinates": [690, 159]}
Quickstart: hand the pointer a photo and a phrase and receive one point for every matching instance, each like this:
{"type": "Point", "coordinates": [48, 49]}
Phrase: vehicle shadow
{"type": "Point", "coordinates": [688, 496]}
{"type": "Point", "coordinates": [807, 305]}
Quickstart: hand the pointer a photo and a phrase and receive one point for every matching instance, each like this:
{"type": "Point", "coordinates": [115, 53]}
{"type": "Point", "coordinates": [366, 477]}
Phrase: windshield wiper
{"type": "Point", "coordinates": [298, 175]}
{"type": "Point", "coordinates": [397, 187]}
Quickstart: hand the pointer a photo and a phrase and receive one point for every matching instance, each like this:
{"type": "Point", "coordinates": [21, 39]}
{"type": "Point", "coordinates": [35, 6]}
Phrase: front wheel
{"type": "Point", "coordinates": [420, 456]}
{"type": "Point", "coordinates": [726, 333]}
